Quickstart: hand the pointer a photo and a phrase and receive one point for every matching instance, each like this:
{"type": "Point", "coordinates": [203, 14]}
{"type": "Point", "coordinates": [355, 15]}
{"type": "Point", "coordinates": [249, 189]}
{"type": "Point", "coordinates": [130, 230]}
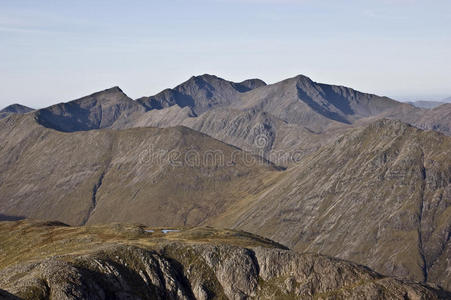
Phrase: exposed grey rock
{"type": "Point", "coordinates": [128, 272]}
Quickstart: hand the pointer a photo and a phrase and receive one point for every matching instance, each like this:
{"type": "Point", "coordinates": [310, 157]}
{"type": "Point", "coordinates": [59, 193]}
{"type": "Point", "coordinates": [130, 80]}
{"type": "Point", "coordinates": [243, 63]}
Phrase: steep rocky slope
{"type": "Point", "coordinates": [125, 261]}
{"type": "Point", "coordinates": [172, 176]}
{"type": "Point", "coordinates": [14, 109]}
{"type": "Point", "coordinates": [380, 196]}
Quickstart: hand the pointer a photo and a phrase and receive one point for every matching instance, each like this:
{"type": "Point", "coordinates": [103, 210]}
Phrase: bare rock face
{"type": "Point", "coordinates": [237, 273]}
{"type": "Point", "coordinates": [144, 266]}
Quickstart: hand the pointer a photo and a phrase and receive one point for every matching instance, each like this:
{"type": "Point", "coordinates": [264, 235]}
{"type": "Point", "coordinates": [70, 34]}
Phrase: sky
{"type": "Point", "coordinates": [57, 51]}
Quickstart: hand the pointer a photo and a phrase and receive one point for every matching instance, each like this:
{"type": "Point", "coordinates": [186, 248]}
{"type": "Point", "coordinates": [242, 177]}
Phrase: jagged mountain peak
{"type": "Point", "coordinates": [201, 93]}
{"type": "Point", "coordinates": [106, 108]}
{"type": "Point", "coordinates": [206, 77]}
{"type": "Point", "coordinates": [302, 78]}
{"type": "Point", "coordinates": [115, 90]}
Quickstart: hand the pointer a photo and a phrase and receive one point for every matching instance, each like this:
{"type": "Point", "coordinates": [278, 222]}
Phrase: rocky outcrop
{"type": "Point", "coordinates": [193, 270]}
{"type": "Point", "coordinates": [230, 273]}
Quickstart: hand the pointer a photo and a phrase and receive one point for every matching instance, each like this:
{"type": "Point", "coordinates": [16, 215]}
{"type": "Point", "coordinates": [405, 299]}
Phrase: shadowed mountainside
{"type": "Point", "coordinates": [103, 109]}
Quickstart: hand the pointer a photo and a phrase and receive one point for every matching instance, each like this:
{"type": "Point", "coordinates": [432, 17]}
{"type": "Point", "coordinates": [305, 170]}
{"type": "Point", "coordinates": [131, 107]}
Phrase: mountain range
{"type": "Point", "coordinates": [318, 168]}
{"type": "Point", "coordinates": [430, 104]}
{"type": "Point", "coordinates": [274, 120]}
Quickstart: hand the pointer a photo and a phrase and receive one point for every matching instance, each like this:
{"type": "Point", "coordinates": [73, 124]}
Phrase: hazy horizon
{"type": "Point", "coordinates": [55, 52]}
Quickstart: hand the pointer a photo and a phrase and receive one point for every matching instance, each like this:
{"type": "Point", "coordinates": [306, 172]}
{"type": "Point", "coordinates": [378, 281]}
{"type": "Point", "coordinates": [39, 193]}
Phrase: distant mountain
{"type": "Point", "coordinates": [447, 100]}
{"type": "Point", "coordinates": [296, 114]}
{"type": "Point", "coordinates": [138, 262]}
{"type": "Point", "coordinates": [426, 104]}
{"type": "Point", "coordinates": [201, 93]}
{"type": "Point", "coordinates": [14, 109]}
{"type": "Point", "coordinates": [274, 121]}
{"type": "Point", "coordinates": [108, 108]}
{"type": "Point", "coordinates": [438, 119]}
{"type": "Point", "coordinates": [297, 100]}
{"type": "Point", "coordinates": [301, 101]}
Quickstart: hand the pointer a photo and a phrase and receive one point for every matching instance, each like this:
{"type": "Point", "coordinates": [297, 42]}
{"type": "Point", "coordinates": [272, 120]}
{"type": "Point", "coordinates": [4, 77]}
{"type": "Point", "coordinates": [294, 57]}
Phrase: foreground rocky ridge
{"type": "Point", "coordinates": [125, 261]}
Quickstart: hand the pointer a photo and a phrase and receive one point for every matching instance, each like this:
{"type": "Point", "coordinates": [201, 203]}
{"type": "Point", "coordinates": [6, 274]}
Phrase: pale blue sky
{"type": "Point", "coordinates": [53, 51]}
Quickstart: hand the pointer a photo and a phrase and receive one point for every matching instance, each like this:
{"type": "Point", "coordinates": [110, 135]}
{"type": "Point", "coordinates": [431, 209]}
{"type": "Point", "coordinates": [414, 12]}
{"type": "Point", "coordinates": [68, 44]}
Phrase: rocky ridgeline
{"type": "Point", "coordinates": [51, 260]}
{"type": "Point", "coordinates": [202, 271]}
